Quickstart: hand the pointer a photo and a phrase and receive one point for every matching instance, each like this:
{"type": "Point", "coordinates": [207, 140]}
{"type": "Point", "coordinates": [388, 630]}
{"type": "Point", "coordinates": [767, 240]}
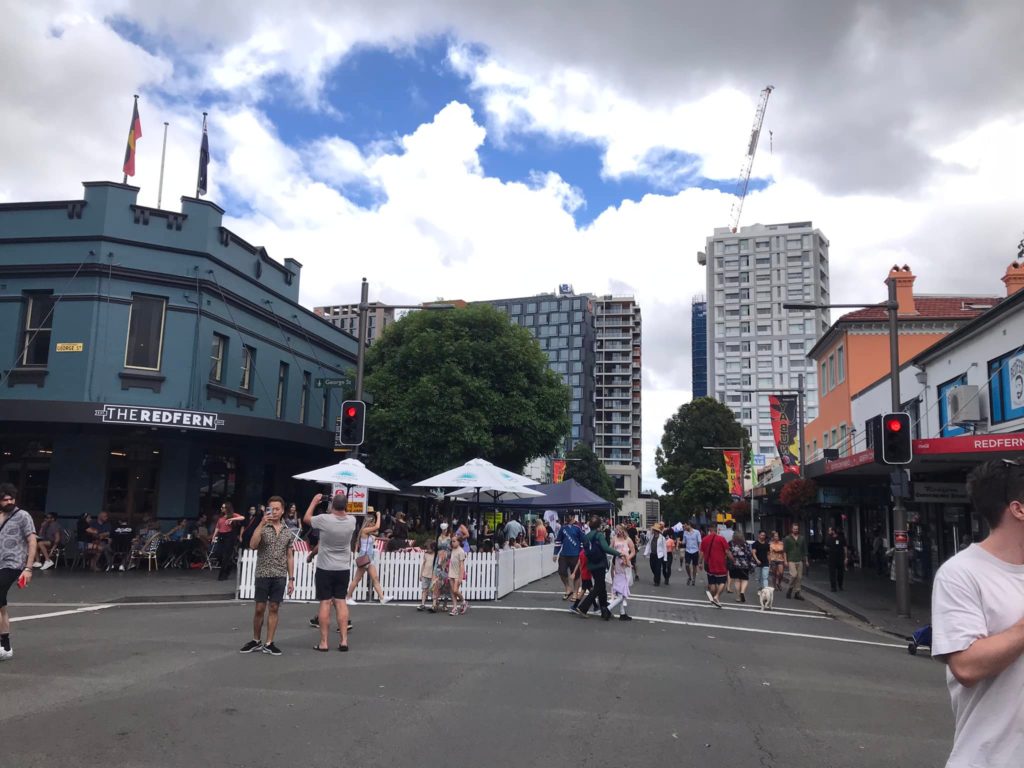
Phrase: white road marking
{"type": "Point", "coordinates": [83, 609]}
{"type": "Point", "coordinates": [704, 625]}
{"type": "Point", "coordinates": [800, 613]}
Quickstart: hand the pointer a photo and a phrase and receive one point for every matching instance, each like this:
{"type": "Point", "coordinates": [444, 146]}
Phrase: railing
{"type": "Point", "coordinates": [489, 575]}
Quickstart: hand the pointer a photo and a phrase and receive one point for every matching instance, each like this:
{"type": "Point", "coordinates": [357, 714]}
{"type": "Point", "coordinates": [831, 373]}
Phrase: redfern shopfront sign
{"type": "Point", "coordinates": [971, 444]}
{"type": "Point", "coordinates": [159, 417]}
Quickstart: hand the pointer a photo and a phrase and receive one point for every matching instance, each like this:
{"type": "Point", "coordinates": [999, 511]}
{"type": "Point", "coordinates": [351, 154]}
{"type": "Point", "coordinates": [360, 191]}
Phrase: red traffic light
{"type": "Point", "coordinates": [350, 411]}
{"type": "Point", "coordinates": [894, 425]}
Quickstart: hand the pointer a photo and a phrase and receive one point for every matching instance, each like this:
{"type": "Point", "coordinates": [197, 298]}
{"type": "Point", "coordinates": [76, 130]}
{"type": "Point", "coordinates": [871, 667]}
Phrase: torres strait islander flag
{"type": "Point", "coordinates": [134, 134]}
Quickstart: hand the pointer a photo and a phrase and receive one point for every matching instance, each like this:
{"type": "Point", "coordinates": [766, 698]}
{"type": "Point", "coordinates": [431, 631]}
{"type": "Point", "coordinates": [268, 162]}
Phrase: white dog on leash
{"type": "Point", "coordinates": [766, 596]}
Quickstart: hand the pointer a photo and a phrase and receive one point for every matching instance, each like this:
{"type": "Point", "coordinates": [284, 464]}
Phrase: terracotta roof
{"type": "Point", "coordinates": [930, 308]}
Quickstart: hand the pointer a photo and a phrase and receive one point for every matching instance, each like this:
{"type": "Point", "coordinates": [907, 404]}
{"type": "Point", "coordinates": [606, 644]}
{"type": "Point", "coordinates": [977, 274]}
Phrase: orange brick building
{"type": "Point", "coordinates": [854, 354]}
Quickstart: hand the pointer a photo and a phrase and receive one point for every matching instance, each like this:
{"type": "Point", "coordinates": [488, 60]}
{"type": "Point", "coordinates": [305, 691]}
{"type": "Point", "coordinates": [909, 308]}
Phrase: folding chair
{"type": "Point", "coordinates": [146, 552]}
{"type": "Point", "coordinates": [57, 552]}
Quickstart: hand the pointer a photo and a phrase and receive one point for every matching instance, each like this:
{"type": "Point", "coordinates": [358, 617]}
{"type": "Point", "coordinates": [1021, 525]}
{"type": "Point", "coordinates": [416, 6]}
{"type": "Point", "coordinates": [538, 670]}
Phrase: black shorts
{"type": "Point", "coordinates": [566, 564]}
{"type": "Point", "coordinates": [270, 589]}
{"type": "Point", "coordinates": [716, 579]}
{"type": "Point", "coordinates": [331, 585]}
{"type": "Point", "coordinates": [7, 578]}
{"type": "Point", "coordinates": [692, 558]}
{"type": "Point", "coordinates": [740, 574]}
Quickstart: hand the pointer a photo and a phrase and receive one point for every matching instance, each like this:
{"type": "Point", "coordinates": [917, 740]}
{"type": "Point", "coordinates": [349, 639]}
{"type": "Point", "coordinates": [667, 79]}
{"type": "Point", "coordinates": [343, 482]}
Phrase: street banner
{"type": "Point", "coordinates": [784, 426]}
{"type": "Point", "coordinates": [734, 473]}
{"type": "Point", "coordinates": [357, 498]}
{"type": "Point", "coordinates": [558, 470]}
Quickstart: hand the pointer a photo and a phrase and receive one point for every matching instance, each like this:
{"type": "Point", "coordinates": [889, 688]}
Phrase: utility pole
{"type": "Point", "coordinates": [899, 512]}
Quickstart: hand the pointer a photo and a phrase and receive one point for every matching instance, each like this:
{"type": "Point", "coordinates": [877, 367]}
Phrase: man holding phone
{"type": "Point", "coordinates": [17, 553]}
{"type": "Point", "coordinates": [275, 572]}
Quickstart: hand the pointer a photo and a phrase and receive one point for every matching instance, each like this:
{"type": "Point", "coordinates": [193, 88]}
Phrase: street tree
{"type": "Point", "coordinates": [705, 490]}
{"type": "Point", "coordinates": [699, 423]}
{"type": "Point", "coordinates": [590, 472]}
{"type": "Point", "coordinates": [798, 494]}
{"type": "Point", "coordinates": [451, 386]}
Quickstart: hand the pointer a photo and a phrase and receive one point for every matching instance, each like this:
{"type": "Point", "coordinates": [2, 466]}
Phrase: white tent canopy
{"type": "Point", "coordinates": [519, 493]}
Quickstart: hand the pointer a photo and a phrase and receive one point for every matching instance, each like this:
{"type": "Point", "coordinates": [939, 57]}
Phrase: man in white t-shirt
{"type": "Point", "coordinates": [978, 625]}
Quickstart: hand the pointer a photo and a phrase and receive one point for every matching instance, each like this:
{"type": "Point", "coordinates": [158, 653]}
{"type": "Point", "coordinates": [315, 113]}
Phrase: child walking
{"type": "Point", "coordinates": [456, 573]}
{"type": "Point", "coordinates": [426, 575]}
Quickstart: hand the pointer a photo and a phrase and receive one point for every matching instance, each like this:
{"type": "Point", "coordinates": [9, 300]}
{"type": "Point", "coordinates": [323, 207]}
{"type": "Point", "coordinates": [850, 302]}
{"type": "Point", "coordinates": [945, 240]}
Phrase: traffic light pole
{"type": "Point", "coordinates": [901, 557]}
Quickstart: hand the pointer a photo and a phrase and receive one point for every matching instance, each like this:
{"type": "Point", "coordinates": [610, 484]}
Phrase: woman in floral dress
{"type": "Point", "coordinates": [739, 565]}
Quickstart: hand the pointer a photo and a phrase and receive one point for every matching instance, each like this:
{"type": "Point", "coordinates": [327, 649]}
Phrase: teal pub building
{"type": "Point", "coordinates": [154, 363]}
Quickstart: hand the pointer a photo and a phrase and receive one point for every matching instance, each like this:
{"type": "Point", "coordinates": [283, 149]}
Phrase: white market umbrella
{"type": "Point", "coordinates": [479, 474]}
{"type": "Point", "coordinates": [349, 472]}
{"type": "Point", "coordinates": [519, 493]}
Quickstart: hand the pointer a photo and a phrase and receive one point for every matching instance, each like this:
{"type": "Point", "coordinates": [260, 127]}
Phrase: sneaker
{"type": "Point", "coordinates": [421, 607]}
{"type": "Point", "coordinates": [385, 600]}
{"type": "Point", "coordinates": [625, 617]}
{"type": "Point", "coordinates": [315, 622]}
{"type": "Point", "coordinates": [465, 607]}
{"type": "Point", "coordinates": [4, 655]}
{"type": "Point", "coordinates": [48, 564]}
{"type": "Point", "coordinates": [453, 612]}
{"type": "Point", "coordinates": [251, 647]}
{"type": "Point", "coordinates": [351, 601]}
{"type": "Point", "coordinates": [272, 649]}
{"type": "Point", "coordinates": [40, 565]}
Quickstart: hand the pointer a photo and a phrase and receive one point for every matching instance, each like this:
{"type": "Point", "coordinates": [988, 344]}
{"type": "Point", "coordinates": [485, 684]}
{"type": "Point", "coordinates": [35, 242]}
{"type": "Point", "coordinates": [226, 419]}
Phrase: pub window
{"type": "Point", "coordinates": [145, 332]}
{"type": "Point", "coordinates": [248, 362]}
{"type": "Point", "coordinates": [1006, 387]}
{"type": "Point", "coordinates": [307, 380]}
{"type": "Point", "coordinates": [282, 390]}
{"type": "Point", "coordinates": [35, 342]}
{"type": "Point", "coordinates": [218, 354]}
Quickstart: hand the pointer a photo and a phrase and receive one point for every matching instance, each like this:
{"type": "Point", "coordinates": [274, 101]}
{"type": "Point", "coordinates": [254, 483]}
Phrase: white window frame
{"type": "Point", "coordinates": [128, 334]}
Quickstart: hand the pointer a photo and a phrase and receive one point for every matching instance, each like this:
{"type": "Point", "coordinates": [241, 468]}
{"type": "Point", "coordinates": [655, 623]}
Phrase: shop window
{"type": "Point", "coordinates": [248, 363]}
{"type": "Point", "coordinates": [145, 332]}
{"type": "Point", "coordinates": [1006, 387]}
{"type": "Point", "coordinates": [947, 429]}
{"type": "Point", "coordinates": [25, 463]}
{"type": "Point", "coordinates": [218, 355]}
{"type": "Point", "coordinates": [282, 390]}
{"type": "Point", "coordinates": [132, 482]}
{"type": "Point", "coordinates": [218, 481]}
{"type": "Point", "coordinates": [35, 339]}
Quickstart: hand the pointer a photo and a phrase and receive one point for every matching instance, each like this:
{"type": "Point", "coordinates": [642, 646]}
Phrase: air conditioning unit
{"type": "Point", "coordinates": [963, 405]}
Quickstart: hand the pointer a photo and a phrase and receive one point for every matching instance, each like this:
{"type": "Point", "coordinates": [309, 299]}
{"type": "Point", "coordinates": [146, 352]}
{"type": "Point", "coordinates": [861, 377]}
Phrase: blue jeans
{"type": "Point", "coordinates": [762, 575]}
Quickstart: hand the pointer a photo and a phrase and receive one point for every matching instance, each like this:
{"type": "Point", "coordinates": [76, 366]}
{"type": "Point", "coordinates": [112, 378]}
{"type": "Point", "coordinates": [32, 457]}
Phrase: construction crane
{"type": "Point", "coordinates": [748, 161]}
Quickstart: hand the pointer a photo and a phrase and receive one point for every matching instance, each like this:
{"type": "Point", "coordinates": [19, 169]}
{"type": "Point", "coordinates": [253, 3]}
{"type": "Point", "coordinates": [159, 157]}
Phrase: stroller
{"type": "Point", "coordinates": [922, 637]}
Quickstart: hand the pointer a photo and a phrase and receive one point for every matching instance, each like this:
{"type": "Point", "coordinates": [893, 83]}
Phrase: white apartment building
{"type": "Point", "coordinates": [617, 370]}
{"type": "Point", "coordinates": [755, 347]}
{"type": "Point", "coordinates": [346, 317]}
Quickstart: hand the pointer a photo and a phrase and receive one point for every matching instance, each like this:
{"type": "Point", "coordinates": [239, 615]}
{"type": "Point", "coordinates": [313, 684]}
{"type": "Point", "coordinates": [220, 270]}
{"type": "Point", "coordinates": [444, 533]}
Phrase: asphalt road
{"type": "Point", "coordinates": [517, 683]}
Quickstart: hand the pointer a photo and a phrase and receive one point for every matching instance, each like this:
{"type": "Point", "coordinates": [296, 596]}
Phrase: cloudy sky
{"type": "Point", "coordinates": [458, 149]}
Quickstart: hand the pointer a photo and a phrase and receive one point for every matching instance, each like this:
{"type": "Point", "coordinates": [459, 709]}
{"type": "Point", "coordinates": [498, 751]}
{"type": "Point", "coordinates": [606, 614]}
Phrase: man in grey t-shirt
{"type": "Point", "coordinates": [333, 564]}
{"type": "Point", "coordinates": [17, 553]}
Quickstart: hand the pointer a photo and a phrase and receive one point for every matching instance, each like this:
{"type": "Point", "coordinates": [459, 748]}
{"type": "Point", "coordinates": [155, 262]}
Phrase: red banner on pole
{"type": "Point", "coordinates": [558, 470]}
{"type": "Point", "coordinates": [785, 427]}
{"type": "Point", "coordinates": [734, 473]}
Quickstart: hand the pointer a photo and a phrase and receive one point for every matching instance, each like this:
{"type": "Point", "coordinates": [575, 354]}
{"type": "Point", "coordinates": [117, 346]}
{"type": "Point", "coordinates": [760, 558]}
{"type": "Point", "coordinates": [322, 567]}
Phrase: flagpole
{"type": "Point", "coordinates": [163, 157]}
{"type": "Point", "coordinates": [204, 133]}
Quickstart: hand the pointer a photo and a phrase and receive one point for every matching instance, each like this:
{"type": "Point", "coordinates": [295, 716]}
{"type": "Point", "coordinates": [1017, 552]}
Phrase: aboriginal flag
{"type": "Point", "coordinates": [134, 134]}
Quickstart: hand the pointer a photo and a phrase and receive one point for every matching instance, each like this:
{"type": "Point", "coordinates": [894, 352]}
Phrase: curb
{"type": "Point", "coordinates": [827, 598]}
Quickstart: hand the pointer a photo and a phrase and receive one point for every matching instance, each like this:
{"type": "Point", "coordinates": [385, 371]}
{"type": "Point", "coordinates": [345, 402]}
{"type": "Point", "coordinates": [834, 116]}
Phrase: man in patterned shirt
{"type": "Point", "coordinates": [275, 571]}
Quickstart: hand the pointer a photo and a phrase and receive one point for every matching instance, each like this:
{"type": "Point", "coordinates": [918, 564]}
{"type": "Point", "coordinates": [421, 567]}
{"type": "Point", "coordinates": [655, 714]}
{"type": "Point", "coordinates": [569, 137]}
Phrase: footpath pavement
{"type": "Point", "coordinates": [61, 586]}
{"type": "Point", "coordinates": [871, 598]}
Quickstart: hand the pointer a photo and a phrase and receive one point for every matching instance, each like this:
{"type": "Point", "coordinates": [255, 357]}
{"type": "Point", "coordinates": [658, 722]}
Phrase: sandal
{"type": "Point", "coordinates": [322, 650]}
{"type": "Point", "coordinates": [342, 647]}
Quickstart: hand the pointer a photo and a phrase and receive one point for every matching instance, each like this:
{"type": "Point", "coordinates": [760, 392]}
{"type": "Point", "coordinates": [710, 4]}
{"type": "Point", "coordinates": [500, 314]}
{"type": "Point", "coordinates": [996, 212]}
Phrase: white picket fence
{"type": "Point", "coordinates": [488, 575]}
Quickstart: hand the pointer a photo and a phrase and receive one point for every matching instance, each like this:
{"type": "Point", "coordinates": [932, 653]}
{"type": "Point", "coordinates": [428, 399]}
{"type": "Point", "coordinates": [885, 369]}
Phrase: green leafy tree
{"type": "Point", "coordinates": [590, 472]}
{"type": "Point", "coordinates": [705, 490]}
{"type": "Point", "coordinates": [451, 386]}
{"type": "Point", "coordinates": [699, 423]}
